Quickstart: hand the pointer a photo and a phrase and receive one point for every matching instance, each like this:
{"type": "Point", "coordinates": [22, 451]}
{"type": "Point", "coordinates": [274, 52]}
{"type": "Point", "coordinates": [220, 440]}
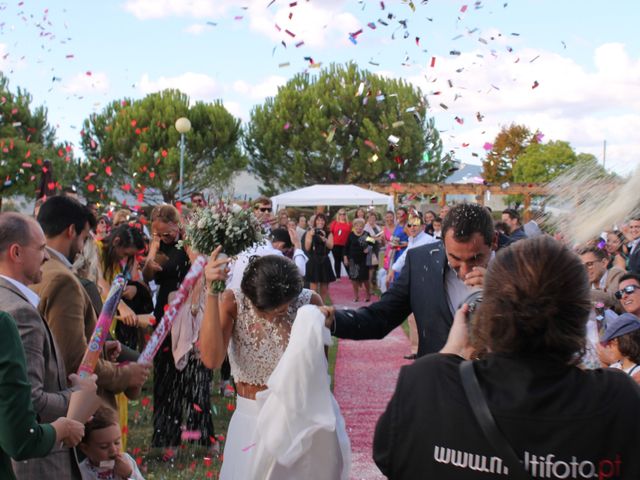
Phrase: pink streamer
{"type": "Point", "coordinates": [164, 327]}
{"type": "Point", "coordinates": [99, 336]}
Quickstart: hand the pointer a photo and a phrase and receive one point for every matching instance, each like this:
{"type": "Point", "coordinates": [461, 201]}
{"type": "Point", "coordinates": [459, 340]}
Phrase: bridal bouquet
{"type": "Point", "coordinates": [229, 225]}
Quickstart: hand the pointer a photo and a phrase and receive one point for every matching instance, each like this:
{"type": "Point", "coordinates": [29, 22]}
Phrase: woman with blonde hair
{"type": "Point", "coordinates": [179, 396]}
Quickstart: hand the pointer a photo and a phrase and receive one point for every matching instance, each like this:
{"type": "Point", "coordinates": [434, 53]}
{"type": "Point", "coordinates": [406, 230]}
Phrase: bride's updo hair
{"type": "Point", "coordinates": [271, 281]}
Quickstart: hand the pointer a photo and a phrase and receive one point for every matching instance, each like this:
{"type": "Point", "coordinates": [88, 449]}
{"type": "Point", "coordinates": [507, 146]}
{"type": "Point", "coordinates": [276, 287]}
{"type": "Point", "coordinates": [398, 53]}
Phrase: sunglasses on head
{"type": "Point", "coordinates": [629, 289]}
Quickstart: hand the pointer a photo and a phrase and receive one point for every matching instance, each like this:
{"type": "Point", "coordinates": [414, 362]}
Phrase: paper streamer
{"type": "Point", "coordinates": [164, 327]}
{"type": "Point", "coordinates": [99, 336]}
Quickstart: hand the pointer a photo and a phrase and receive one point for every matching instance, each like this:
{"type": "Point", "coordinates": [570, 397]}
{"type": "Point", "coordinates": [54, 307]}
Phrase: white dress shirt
{"type": "Point", "coordinates": [421, 238]}
{"type": "Point", "coordinates": [32, 296]}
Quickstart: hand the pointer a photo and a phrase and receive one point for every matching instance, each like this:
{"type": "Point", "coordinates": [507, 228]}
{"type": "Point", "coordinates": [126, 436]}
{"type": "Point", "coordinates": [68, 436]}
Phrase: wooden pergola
{"type": "Point", "coordinates": [441, 190]}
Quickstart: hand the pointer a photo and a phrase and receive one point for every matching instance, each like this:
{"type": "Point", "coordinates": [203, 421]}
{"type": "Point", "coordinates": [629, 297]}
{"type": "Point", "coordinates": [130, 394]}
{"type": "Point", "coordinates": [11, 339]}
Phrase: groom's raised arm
{"type": "Point", "coordinates": [378, 319]}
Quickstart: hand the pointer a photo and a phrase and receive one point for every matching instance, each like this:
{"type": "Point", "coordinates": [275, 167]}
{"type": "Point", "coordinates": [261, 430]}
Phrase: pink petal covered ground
{"type": "Point", "coordinates": [365, 377]}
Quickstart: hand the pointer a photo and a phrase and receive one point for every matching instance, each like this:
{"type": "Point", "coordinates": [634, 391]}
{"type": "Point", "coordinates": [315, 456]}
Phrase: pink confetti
{"type": "Point", "coordinates": [488, 146]}
{"type": "Point", "coordinates": [433, 62]}
{"type": "Point", "coordinates": [535, 85]}
{"type": "Point", "coordinates": [287, 126]}
{"type": "Point", "coordinates": [463, 8]}
{"type": "Point", "coordinates": [191, 435]}
{"type": "Point", "coordinates": [246, 449]}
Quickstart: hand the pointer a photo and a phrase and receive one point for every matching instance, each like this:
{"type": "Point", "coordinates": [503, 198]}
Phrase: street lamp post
{"type": "Point", "coordinates": [183, 125]}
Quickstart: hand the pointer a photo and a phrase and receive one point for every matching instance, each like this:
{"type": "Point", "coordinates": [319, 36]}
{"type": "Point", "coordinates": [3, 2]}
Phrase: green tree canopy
{"type": "Point", "coordinates": [543, 162]}
{"type": "Point", "coordinates": [27, 141]}
{"type": "Point", "coordinates": [508, 145]}
{"type": "Point", "coordinates": [134, 144]}
{"type": "Point", "coordinates": [344, 125]}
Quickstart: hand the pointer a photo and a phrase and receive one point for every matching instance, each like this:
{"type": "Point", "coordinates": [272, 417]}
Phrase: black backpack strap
{"type": "Point", "coordinates": [488, 424]}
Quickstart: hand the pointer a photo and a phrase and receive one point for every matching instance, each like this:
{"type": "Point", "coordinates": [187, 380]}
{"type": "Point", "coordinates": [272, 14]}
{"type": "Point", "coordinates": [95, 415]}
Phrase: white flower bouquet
{"type": "Point", "coordinates": [229, 225]}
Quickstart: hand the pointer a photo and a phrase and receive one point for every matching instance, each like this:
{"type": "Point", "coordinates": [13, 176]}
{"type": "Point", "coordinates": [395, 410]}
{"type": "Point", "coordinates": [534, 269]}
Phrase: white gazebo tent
{"type": "Point", "coordinates": [331, 195]}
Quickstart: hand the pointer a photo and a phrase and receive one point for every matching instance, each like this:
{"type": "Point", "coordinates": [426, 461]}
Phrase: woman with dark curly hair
{"type": "Point", "coordinates": [525, 409]}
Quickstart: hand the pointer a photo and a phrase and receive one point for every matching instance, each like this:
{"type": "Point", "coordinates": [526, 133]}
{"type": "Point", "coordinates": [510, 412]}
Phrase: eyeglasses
{"type": "Point", "coordinates": [164, 235]}
{"type": "Point", "coordinates": [265, 209]}
{"type": "Point", "coordinates": [629, 289]}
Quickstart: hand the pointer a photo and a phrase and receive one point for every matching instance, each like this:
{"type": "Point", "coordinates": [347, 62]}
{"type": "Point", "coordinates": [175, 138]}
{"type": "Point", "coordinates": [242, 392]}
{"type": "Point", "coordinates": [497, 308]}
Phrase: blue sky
{"type": "Point", "coordinates": [76, 56]}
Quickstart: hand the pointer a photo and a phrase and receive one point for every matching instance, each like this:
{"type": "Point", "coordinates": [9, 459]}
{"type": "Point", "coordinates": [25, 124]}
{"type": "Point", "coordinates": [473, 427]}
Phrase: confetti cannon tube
{"type": "Point", "coordinates": [164, 326]}
{"type": "Point", "coordinates": [99, 336]}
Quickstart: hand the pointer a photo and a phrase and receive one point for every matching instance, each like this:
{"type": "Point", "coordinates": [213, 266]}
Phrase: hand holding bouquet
{"type": "Point", "coordinates": [227, 225]}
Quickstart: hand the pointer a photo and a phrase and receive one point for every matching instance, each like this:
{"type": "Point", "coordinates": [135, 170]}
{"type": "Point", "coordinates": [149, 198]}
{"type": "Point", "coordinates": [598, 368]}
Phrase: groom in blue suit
{"type": "Point", "coordinates": [434, 282]}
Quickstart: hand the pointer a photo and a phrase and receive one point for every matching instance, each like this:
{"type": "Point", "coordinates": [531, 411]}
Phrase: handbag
{"type": "Point", "coordinates": [488, 425]}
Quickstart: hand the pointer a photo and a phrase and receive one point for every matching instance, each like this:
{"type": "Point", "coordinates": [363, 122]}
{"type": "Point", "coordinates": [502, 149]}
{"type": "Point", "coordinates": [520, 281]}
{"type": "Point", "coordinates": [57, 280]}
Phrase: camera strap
{"type": "Point", "coordinates": [487, 423]}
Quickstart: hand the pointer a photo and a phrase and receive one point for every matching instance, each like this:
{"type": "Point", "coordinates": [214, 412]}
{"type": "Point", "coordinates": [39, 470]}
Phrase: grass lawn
{"type": "Point", "coordinates": [189, 461]}
{"type": "Point", "coordinates": [186, 462]}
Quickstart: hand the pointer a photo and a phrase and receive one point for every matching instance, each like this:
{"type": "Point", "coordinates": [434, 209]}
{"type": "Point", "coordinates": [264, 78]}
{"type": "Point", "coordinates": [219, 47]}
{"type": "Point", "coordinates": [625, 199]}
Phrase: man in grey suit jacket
{"type": "Point", "coordinates": [435, 280]}
{"type": "Point", "coordinates": [22, 253]}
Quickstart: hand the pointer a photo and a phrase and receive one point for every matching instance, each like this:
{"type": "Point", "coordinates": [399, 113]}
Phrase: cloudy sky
{"type": "Point", "coordinates": [570, 68]}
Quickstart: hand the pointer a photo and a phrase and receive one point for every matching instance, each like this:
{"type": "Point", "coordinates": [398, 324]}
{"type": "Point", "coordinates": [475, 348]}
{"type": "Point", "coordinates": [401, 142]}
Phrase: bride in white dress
{"type": "Point", "coordinates": [252, 324]}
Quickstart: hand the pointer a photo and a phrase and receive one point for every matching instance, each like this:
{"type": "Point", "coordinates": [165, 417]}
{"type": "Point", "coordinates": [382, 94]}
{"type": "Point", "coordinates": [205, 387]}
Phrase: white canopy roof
{"type": "Point", "coordinates": [331, 195]}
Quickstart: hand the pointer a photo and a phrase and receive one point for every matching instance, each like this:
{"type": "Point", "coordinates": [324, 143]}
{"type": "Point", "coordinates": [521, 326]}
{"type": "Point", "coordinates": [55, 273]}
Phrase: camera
{"type": "Point", "coordinates": [474, 300]}
{"type": "Point", "coordinates": [319, 232]}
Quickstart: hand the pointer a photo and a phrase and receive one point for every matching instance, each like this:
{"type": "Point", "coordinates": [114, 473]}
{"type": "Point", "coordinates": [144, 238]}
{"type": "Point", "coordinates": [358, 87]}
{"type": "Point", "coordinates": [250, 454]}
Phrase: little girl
{"type": "Point", "coordinates": [620, 344]}
{"type": "Point", "coordinates": [101, 445]}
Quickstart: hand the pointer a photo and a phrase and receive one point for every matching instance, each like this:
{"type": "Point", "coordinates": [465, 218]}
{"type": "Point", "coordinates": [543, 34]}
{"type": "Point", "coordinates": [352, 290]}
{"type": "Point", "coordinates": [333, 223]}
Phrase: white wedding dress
{"type": "Point", "coordinates": [300, 432]}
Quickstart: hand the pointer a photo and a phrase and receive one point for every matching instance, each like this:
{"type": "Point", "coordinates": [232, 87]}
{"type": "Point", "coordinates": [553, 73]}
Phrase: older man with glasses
{"type": "Point", "coordinates": [603, 281]}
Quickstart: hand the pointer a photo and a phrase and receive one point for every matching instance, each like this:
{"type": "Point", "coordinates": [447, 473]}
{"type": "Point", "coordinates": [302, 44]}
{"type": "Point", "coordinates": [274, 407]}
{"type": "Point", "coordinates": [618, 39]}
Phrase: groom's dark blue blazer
{"type": "Point", "coordinates": [420, 289]}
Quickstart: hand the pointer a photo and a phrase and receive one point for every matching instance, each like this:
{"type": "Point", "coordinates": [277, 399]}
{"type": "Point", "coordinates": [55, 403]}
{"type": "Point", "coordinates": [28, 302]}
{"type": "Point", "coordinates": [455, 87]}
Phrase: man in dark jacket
{"type": "Point", "coordinates": [435, 280]}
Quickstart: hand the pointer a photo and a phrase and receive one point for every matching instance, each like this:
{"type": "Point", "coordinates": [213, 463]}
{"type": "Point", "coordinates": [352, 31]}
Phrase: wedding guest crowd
{"type": "Point", "coordinates": [567, 309]}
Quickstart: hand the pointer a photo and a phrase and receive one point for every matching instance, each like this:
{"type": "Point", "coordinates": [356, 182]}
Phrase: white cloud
{"type": "Point", "coordinates": [87, 82]}
{"type": "Point", "coordinates": [154, 9]}
{"type": "Point", "coordinates": [259, 91]}
{"type": "Point", "coordinates": [237, 110]}
{"type": "Point", "coordinates": [197, 85]}
{"type": "Point", "coordinates": [313, 23]}
{"type": "Point", "coordinates": [578, 104]}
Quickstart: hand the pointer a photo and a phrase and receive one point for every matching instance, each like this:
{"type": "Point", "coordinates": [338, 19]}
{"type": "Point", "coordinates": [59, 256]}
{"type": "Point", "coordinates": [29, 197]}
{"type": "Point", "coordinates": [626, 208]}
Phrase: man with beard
{"type": "Point", "coordinates": [434, 281]}
{"type": "Point", "coordinates": [65, 304]}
